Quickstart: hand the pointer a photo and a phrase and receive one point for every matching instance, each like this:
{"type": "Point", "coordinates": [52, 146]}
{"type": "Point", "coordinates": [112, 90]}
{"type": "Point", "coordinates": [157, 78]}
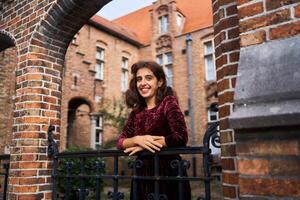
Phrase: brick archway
{"type": "Point", "coordinates": [42, 37]}
{"type": "Point", "coordinates": [6, 40]}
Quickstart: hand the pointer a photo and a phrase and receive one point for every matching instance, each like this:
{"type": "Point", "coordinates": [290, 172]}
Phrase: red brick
{"type": "Point", "coordinates": [270, 148]}
{"type": "Point", "coordinates": [223, 85]}
{"type": "Point", "coordinates": [227, 71]}
{"type": "Point", "coordinates": [226, 137]}
{"type": "Point", "coordinates": [229, 191]}
{"type": "Point", "coordinates": [253, 167]}
{"type": "Point", "coordinates": [231, 10]}
{"type": "Point", "coordinates": [25, 189]}
{"type": "Point", "coordinates": [255, 38]}
{"type": "Point", "coordinates": [266, 20]}
{"type": "Point", "coordinates": [270, 187]}
{"type": "Point", "coordinates": [228, 150]}
{"type": "Point", "coordinates": [284, 31]}
{"type": "Point", "coordinates": [274, 4]}
{"type": "Point", "coordinates": [250, 10]}
{"type": "Point", "coordinates": [31, 181]}
{"type": "Point", "coordinates": [224, 111]}
{"type": "Point", "coordinates": [30, 196]}
{"type": "Point", "coordinates": [226, 97]}
{"type": "Point", "coordinates": [233, 33]}
{"type": "Point", "coordinates": [228, 164]}
{"type": "Point", "coordinates": [285, 166]}
{"type": "Point", "coordinates": [297, 11]}
{"type": "Point", "coordinates": [221, 61]}
{"type": "Point", "coordinates": [230, 178]}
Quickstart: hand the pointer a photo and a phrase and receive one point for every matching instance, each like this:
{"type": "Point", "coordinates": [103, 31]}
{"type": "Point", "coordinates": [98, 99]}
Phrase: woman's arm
{"type": "Point", "coordinates": [149, 142]}
{"type": "Point", "coordinates": [127, 138]}
{"type": "Point", "coordinates": [175, 118]}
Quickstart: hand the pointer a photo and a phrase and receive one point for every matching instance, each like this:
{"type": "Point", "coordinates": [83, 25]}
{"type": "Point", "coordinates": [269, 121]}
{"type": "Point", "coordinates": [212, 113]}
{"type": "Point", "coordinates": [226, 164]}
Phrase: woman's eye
{"type": "Point", "coordinates": [148, 78]}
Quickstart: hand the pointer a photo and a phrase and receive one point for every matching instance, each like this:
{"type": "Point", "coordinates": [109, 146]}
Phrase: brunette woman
{"type": "Point", "coordinates": [156, 121]}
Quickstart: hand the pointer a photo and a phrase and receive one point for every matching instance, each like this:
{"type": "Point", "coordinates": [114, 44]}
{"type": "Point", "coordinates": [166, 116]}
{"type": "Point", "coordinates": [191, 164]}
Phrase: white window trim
{"type": "Point", "coordinates": [165, 65]}
{"type": "Point", "coordinates": [100, 127]}
{"type": "Point", "coordinates": [213, 57]}
{"type": "Point", "coordinates": [163, 26]}
{"type": "Point", "coordinates": [99, 75]}
{"type": "Point", "coordinates": [209, 114]}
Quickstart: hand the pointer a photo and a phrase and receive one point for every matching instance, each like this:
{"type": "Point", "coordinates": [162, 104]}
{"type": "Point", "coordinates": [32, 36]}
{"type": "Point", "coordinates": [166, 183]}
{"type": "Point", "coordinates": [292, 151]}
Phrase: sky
{"type": "Point", "coordinates": [117, 8]}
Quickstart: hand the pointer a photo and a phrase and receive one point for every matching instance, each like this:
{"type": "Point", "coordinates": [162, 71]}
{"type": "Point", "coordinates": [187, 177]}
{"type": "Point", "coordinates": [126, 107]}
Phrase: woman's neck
{"type": "Point", "coordinates": [150, 103]}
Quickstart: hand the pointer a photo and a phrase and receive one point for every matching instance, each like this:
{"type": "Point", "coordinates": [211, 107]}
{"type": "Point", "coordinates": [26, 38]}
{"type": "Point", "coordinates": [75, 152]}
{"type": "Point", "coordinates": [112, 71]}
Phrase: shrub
{"type": "Point", "coordinates": [74, 166]}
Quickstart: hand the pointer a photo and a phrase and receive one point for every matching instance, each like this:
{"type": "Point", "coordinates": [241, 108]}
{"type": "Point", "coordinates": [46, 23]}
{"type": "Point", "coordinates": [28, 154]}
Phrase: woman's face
{"type": "Point", "coordinates": [147, 83]}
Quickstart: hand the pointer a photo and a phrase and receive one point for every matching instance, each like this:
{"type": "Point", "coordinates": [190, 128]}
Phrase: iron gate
{"type": "Point", "coordinates": [87, 171]}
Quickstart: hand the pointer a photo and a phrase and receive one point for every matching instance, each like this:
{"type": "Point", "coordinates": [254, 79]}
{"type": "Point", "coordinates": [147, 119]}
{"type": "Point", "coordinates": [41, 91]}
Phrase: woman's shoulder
{"type": "Point", "coordinates": [169, 101]}
{"type": "Point", "coordinates": [169, 98]}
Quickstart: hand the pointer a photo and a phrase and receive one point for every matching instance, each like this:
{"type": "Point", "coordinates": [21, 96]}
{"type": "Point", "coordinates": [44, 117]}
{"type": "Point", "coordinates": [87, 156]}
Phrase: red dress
{"type": "Point", "coordinates": [165, 119]}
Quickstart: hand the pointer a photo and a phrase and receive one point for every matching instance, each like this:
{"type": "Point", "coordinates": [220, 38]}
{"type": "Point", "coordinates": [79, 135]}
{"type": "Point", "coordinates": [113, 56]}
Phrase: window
{"type": "Point", "coordinates": [124, 74]}
{"type": "Point", "coordinates": [163, 24]}
{"type": "Point", "coordinates": [75, 80]}
{"type": "Point", "coordinates": [75, 39]}
{"type": "Point", "coordinates": [179, 20]}
{"type": "Point", "coordinates": [212, 113]}
{"type": "Point", "coordinates": [99, 68]}
{"type": "Point", "coordinates": [210, 70]}
{"type": "Point", "coordinates": [98, 131]}
{"type": "Point", "coordinates": [166, 61]}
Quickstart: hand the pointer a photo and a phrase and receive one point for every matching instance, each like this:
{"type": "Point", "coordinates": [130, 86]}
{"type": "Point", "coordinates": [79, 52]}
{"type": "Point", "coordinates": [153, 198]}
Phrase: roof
{"type": "Point", "coordinates": [198, 15]}
{"type": "Point", "coordinates": [114, 29]}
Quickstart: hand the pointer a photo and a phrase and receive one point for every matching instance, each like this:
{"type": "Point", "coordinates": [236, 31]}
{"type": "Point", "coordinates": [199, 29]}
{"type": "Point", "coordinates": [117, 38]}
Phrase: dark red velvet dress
{"type": "Point", "coordinates": [166, 119]}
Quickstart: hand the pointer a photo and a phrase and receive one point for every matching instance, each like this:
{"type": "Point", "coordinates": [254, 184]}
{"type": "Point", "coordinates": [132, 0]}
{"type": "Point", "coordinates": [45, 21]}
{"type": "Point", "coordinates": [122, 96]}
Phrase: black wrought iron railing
{"type": "Point", "coordinates": [4, 169]}
{"type": "Point", "coordinates": [82, 175]}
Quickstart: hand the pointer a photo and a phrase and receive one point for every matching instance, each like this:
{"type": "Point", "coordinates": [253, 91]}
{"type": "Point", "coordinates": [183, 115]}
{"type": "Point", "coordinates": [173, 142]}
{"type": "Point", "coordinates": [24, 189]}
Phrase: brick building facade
{"type": "Point", "coordinates": [99, 58]}
{"type": "Point", "coordinates": [257, 59]}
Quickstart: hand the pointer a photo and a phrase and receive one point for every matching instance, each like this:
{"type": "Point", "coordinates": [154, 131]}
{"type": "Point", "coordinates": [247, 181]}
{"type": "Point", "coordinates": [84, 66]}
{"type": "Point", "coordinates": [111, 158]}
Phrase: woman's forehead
{"type": "Point", "coordinates": [144, 71]}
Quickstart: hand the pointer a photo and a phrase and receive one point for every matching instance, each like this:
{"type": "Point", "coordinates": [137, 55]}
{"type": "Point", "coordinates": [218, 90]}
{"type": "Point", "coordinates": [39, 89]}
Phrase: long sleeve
{"type": "Point", "coordinates": [175, 118]}
{"type": "Point", "coordinates": [127, 131]}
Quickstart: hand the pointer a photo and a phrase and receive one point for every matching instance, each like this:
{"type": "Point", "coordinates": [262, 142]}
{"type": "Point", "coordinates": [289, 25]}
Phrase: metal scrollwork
{"type": "Point", "coordinates": [52, 145]}
{"type": "Point", "coordinates": [135, 164]}
{"type": "Point", "coordinates": [118, 195]}
{"type": "Point", "coordinates": [174, 164]}
{"type": "Point", "coordinates": [151, 196]}
{"type": "Point", "coordinates": [184, 164]}
{"type": "Point", "coordinates": [215, 140]}
{"type": "Point", "coordinates": [212, 134]}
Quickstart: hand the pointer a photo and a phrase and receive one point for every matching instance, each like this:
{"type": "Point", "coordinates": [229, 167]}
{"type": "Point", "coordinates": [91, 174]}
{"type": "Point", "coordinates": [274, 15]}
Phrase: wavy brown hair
{"type": "Point", "coordinates": [133, 98]}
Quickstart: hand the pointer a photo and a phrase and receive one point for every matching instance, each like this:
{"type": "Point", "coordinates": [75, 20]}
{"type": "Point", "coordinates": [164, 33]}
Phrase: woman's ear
{"type": "Point", "coordinates": [160, 83]}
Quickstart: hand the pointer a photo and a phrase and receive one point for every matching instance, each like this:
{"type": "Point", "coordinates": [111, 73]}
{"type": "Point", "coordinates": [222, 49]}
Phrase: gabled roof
{"type": "Point", "coordinates": [114, 29]}
{"type": "Point", "coordinates": [198, 15]}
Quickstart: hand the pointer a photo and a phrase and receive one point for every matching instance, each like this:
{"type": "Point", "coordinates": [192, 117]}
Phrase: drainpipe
{"type": "Point", "coordinates": [190, 98]}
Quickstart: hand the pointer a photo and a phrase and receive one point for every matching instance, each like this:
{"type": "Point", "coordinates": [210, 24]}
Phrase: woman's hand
{"type": "Point", "coordinates": [148, 142]}
{"type": "Point", "coordinates": [133, 150]}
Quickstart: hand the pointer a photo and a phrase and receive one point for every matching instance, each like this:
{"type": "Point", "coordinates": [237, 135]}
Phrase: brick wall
{"type": "Point", "coordinates": [268, 159]}
{"type": "Point", "coordinates": [227, 56]}
{"type": "Point", "coordinates": [42, 36]}
{"type": "Point", "coordinates": [257, 163]}
{"type": "Point", "coordinates": [8, 61]}
{"type": "Point", "coordinates": [266, 20]}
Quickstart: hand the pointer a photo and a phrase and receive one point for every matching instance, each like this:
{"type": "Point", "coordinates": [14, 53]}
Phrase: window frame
{"type": "Point", "coordinates": [99, 120]}
{"type": "Point", "coordinates": [124, 74]}
{"type": "Point", "coordinates": [163, 24]}
{"type": "Point", "coordinates": [167, 66]}
{"type": "Point", "coordinates": [206, 55]}
{"type": "Point", "coordinates": [99, 75]}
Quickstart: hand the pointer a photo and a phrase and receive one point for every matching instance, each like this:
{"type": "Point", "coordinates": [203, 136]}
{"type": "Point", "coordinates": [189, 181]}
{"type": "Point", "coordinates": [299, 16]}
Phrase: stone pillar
{"type": "Point", "coordinates": [93, 131]}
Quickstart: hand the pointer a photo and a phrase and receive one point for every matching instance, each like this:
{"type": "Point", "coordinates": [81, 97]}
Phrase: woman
{"type": "Point", "coordinates": [155, 122]}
